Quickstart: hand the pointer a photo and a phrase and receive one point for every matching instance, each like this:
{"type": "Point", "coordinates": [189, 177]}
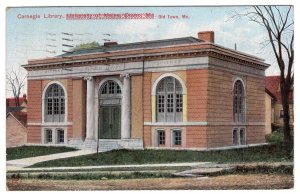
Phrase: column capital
{"type": "Point", "coordinates": [89, 78]}
{"type": "Point", "coordinates": [125, 75]}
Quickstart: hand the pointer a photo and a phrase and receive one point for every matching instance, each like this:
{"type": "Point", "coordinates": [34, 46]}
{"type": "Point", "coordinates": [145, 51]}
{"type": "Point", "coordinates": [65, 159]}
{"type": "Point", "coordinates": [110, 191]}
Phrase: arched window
{"type": "Point", "coordinates": [110, 93]}
{"type": "Point", "coordinates": [54, 104]}
{"type": "Point", "coordinates": [110, 87]}
{"type": "Point", "coordinates": [169, 100]}
{"type": "Point", "coordinates": [238, 102]}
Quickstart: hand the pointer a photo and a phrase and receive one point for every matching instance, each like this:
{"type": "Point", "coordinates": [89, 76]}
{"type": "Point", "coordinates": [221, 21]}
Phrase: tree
{"type": "Point", "coordinates": [89, 45]}
{"type": "Point", "coordinates": [16, 82]}
{"type": "Point", "coordinates": [279, 24]}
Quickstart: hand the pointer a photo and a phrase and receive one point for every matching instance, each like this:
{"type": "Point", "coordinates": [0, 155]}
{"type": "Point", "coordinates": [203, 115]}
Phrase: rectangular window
{"type": "Point", "coordinates": [60, 136]}
{"type": "Point", "coordinates": [281, 114]}
{"type": "Point", "coordinates": [177, 137]}
{"type": "Point", "coordinates": [161, 135]}
{"type": "Point", "coordinates": [48, 136]}
{"type": "Point", "coordinates": [235, 137]}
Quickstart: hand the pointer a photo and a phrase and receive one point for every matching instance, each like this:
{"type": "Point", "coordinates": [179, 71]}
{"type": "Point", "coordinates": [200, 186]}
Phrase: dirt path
{"type": "Point", "coordinates": [262, 181]}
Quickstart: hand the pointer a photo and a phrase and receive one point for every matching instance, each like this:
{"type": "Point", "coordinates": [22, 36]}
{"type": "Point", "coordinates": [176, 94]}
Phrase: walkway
{"type": "Point", "coordinates": [24, 162]}
{"type": "Point", "coordinates": [137, 166]}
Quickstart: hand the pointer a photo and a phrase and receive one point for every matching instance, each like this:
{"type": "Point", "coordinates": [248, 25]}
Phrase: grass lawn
{"type": "Point", "coordinates": [32, 151]}
{"type": "Point", "coordinates": [266, 153]}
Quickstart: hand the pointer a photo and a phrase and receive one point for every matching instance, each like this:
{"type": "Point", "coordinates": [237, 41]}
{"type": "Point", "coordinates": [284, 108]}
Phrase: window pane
{"type": "Point", "coordinates": [49, 106]}
{"type": "Point", "coordinates": [170, 103]}
{"type": "Point", "coordinates": [178, 86]}
{"type": "Point", "coordinates": [118, 89]}
{"type": "Point", "coordinates": [178, 102]}
{"type": "Point", "coordinates": [160, 87]}
{"type": "Point", "coordinates": [161, 103]}
{"type": "Point", "coordinates": [111, 87]}
{"type": "Point", "coordinates": [62, 106]}
{"type": "Point", "coordinates": [104, 89]}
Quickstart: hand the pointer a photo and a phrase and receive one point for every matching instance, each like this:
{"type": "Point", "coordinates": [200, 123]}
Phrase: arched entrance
{"type": "Point", "coordinates": [110, 98]}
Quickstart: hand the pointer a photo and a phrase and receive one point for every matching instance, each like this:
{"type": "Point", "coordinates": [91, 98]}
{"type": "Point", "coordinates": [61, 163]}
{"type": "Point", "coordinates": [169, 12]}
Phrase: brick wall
{"type": "Point", "coordinates": [219, 96]}
{"type": "Point", "coordinates": [197, 94]}
{"type": "Point", "coordinates": [16, 134]}
{"type": "Point", "coordinates": [255, 99]}
{"type": "Point", "coordinates": [136, 107]}
{"type": "Point", "coordinates": [147, 136]}
{"type": "Point", "coordinates": [70, 106]}
{"type": "Point", "coordinates": [34, 110]}
{"type": "Point", "coordinates": [220, 108]}
{"type": "Point", "coordinates": [219, 136]}
{"type": "Point", "coordinates": [78, 108]}
{"type": "Point", "coordinates": [196, 137]}
{"type": "Point", "coordinates": [147, 98]}
{"type": "Point", "coordinates": [255, 134]}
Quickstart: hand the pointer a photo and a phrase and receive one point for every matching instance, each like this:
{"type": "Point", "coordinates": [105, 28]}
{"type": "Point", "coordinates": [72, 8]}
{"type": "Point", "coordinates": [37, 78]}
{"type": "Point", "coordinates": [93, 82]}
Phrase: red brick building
{"type": "Point", "coordinates": [16, 131]}
{"type": "Point", "coordinates": [174, 93]}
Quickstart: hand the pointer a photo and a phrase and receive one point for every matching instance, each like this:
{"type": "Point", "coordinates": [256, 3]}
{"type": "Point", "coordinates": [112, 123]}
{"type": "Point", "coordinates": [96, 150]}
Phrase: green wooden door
{"type": "Point", "coordinates": [110, 122]}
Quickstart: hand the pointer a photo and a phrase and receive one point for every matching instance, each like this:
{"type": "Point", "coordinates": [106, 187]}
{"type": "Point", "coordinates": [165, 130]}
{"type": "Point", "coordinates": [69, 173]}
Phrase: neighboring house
{"type": "Point", "coordinates": [11, 105]}
{"type": "Point", "coordinates": [175, 93]}
{"type": "Point", "coordinates": [274, 108]}
{"type": "Point", "coordinates": [269, 108]}
{"type": "Point", "coordinates": [16, 131]}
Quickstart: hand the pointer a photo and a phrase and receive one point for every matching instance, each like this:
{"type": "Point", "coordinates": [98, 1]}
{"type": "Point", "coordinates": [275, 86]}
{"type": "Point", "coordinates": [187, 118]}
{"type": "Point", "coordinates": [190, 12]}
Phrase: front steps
{"type": "Point", "coordinates": [112, 144]}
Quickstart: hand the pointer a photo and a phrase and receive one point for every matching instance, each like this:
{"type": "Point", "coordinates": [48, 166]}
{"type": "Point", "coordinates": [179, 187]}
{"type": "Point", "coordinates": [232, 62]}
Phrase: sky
{"type": "Point", "coordinates": [42, 37]}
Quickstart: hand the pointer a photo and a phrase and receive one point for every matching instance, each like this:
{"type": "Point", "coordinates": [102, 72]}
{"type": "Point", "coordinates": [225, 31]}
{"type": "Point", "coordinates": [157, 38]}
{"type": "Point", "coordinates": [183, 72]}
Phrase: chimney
{"type": "Point", "coordinates": [110, 43]}
{"type": "Point", "coordinates": [207, 36]}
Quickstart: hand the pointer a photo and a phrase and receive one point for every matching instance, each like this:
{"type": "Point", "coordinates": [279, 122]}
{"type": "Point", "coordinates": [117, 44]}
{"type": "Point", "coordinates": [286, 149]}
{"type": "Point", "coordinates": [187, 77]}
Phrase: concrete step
{"type": "Point", "coordinates": [111, 144]}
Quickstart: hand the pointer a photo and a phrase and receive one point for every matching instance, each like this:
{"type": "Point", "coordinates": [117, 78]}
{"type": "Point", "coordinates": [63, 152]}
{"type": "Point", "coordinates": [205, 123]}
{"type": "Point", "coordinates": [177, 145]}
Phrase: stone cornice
{"type": "Point", "coordinates": [213, 51]}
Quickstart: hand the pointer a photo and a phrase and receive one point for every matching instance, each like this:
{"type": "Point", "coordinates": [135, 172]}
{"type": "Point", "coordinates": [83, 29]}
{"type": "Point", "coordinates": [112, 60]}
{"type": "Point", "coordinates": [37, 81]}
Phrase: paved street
{"type": "Point", "coordinates": [257, 181]}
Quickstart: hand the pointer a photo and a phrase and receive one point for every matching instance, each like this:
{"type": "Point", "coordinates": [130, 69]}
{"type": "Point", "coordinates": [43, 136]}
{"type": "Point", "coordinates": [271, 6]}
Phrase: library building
{"type": "Point", "coordinates": [181, 93]}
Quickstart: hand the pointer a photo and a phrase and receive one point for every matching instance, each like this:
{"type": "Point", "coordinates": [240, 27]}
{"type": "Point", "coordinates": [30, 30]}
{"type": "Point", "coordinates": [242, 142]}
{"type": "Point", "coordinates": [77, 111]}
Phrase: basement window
{"type": "Point", "coordinates": [177, 137]}
{"type": "Point", "coordinates": [161, 137]}
{"type": "Point", "coordinates": [48, 136]}
{"type": "Point", "coordinates": [60, 136]}
{"type": "Point", "coordinates": [239, 136]}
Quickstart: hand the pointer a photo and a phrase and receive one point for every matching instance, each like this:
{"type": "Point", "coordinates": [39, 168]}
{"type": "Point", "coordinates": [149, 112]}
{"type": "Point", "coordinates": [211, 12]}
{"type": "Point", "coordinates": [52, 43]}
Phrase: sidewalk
{"type": "Point", "coordinates": [185, 164]}
{"type": "Point", "coordinates": [24, 162]}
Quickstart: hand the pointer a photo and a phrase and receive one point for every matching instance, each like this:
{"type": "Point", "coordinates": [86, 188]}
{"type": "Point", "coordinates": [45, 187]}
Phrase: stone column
{"type": "Point", "coordinates": [126, 108]}
{"type": "Point", "coordinates": [89, 108]}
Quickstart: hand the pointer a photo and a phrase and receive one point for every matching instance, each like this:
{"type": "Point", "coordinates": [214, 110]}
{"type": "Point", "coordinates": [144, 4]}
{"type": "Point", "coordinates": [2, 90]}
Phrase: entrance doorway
{"type": "Point", "coordinates": [110, 122]}
{"type": "Point", "coordinates": [110, 97]}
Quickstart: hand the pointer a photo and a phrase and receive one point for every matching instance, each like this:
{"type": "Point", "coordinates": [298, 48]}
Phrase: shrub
{"type": "Point", "coordinates": [275, 137]}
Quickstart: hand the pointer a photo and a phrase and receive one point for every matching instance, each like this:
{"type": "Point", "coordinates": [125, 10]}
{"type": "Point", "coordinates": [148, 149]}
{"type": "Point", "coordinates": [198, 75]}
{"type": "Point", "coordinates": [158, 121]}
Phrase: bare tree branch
{"type": "Point", "coordinates": [15, 82]}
